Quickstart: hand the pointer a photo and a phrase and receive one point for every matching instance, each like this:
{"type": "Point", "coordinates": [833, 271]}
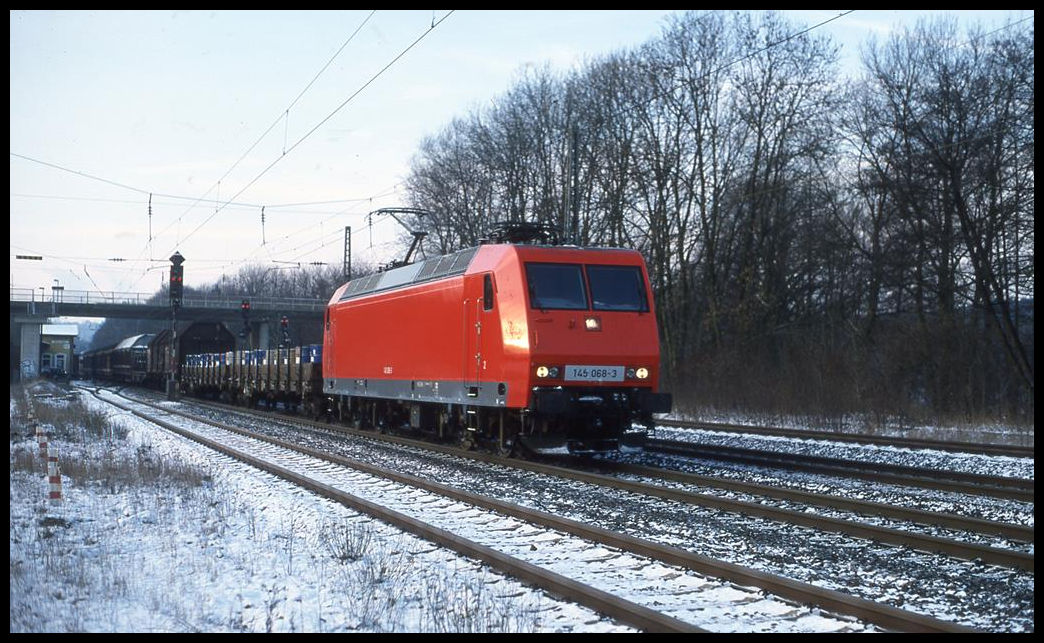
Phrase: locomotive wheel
{"type": "Point", "coordinates": [467, 442]}
{"type": "Point", "coordinates": [506, 448]}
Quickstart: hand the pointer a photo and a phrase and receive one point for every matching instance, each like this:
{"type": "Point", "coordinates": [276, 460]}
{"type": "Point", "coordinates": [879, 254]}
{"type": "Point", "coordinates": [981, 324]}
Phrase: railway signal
{"type": "Point", "coordinates": [177, 279]}
{"type": "Point", "coordinates": [245, 307]}
{"type": "Point", "coordinates": [176, 292]}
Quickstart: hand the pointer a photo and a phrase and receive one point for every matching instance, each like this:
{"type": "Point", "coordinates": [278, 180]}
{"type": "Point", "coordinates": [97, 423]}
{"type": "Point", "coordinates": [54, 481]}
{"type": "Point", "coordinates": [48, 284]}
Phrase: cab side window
{"type": "Point", "coordinates": [487, 292]}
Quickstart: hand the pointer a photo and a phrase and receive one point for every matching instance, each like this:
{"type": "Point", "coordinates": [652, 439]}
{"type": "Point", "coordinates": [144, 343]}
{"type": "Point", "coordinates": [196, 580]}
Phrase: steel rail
{"type": "Point", "coordinates": [1008, 530]}
{"type": "Point", "coordinates": [862, 438]}
{"type": "Point", "coordinates": [838, 602]}
{"type": "Point", "coordinates": [992, 486]}
{"type": "Point", "coordinates": [921, 542]}
{"type": "Point", "coordinates": [600, 601]}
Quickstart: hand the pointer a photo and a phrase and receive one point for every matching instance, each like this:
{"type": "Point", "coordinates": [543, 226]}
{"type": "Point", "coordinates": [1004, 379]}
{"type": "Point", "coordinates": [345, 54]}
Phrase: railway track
{"type": "Point", "coordinates": [1005, 556]}
{"type": "Point", "coordinates": [1021, 533]}
{"type": "Point", "coordinates": [628, 548]}
{"type": "Point", "coordinates": [1008, 555]}
{"type": "Point", "coordinates": [838, 436]}
{"type": "Point", "coordinates": [316, 478]}
{"type": "Point", "coordinates": [504, 486]}
{"type": "Point", "coordinates": [956, 481]}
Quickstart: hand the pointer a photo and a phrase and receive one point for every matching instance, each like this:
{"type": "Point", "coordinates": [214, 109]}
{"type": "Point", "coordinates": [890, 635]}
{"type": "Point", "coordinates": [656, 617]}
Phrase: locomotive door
{"type": "Point", "coordinates": [478, 318]}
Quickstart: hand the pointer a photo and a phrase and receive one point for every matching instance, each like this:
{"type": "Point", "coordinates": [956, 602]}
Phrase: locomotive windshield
{"type": "Point", "coordinates": [617, 288]}
{"type": "Point", "coordinates": [556, 285]}
{"type": "Point", "coordinates": [563, 287]}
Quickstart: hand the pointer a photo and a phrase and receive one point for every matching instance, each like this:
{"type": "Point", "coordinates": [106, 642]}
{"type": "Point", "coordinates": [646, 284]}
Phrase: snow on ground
{"type": "Point", "coordinates": [973, 463]}
{"type": "Point", "coordinates": [157, 533]}
{"type": "Point", "coordinates": [871, 425]}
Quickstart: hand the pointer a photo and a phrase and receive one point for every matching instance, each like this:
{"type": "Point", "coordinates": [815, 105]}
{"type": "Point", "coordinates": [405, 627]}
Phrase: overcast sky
{"type": "Point", "coordinates": [313, 115]}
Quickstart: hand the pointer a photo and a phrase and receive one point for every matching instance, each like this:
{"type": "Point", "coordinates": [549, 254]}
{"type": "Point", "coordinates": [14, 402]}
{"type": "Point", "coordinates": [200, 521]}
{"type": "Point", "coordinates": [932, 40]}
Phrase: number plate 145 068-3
{"type": "Point", "coordinates": [574, 373]}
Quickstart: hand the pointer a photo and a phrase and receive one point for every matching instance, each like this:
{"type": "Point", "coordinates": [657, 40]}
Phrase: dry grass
{"type": "Point", "coordinates": [138, 533]}
{"type": "Point", "coordinates": [88, 443]}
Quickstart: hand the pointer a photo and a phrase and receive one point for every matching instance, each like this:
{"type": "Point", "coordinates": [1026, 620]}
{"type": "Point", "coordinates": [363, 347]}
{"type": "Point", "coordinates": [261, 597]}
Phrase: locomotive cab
{"type": "Point", "coordinates": [594, 350]}
{"type": "Point", "coordinates": [552, 347]}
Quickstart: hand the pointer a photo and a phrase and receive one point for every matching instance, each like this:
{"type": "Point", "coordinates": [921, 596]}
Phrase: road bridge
{"type": "Point", "coordinates": [30, 309]}
{"type": "Point", "coordinates": [30, 302]}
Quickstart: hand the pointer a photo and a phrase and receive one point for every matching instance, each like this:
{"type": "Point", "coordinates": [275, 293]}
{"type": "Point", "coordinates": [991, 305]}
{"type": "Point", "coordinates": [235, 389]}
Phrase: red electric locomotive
{"type": "Point", "coordinates": [552, 347]}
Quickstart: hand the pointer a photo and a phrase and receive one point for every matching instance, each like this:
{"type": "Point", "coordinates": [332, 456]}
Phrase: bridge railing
{"type": "Point", "coordinates": [208, 300]}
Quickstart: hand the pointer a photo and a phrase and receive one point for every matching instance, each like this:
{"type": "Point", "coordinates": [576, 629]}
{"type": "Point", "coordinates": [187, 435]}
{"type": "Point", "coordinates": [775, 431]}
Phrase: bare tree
{"type": "Point", "coordinates": [944, 155]}
{"type": "Point", "coordinates": [781, 265]}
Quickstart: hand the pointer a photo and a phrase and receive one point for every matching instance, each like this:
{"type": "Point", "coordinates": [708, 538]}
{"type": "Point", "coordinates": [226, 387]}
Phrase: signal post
{"type": "Point", "coordinates": [176, 293]}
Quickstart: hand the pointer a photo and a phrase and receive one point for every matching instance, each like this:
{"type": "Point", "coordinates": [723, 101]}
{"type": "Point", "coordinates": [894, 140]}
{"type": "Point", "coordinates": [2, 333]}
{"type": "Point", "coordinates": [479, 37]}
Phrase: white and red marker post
{"type": "Point", "coordinates": [54, 475]}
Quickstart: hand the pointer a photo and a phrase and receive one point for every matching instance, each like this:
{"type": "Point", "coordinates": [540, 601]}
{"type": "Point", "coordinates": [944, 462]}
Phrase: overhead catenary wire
{"type": "Point", "coordinates": [324, 120]}
{"type": "Point", "coordinates": [270, 244]}
{"type": "Point", "coordinates": [96, 286]}
{"type": "Point", "coordinates": [286, 208]}
{"type": "Point", "coordinates": [725, 66]}
{"type": "Point", "coordinates": [102, 263]}
{"type": "Point", "coordinates": [150, 228]}
{"type": "Point", "coordinates": [283, 115]}
{"type": "Point", "coordinates": [311, 226]}
{"type": "Point", "coordinates": [235, 205]}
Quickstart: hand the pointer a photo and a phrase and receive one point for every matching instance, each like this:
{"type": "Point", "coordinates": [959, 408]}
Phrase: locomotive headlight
{"type": "Point", "coordinates": [630, 373]}
{"type": "Point", "coordinates": [592, 323]}
{"type": "Point", "coordinates": [542, 371]}
{"type": "Point", "coordinates": [642, 373]}
{"type": "Point", "coordinates": [553, 371]}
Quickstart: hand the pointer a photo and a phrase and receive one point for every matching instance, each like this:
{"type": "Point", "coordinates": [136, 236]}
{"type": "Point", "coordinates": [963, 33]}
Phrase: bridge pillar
{"type": "Point", "coordinates": [29, 349]}
{"type": "Point", "coordinates": [262, 335]}
{"type": "Point", "coordinates": [258, 338]}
